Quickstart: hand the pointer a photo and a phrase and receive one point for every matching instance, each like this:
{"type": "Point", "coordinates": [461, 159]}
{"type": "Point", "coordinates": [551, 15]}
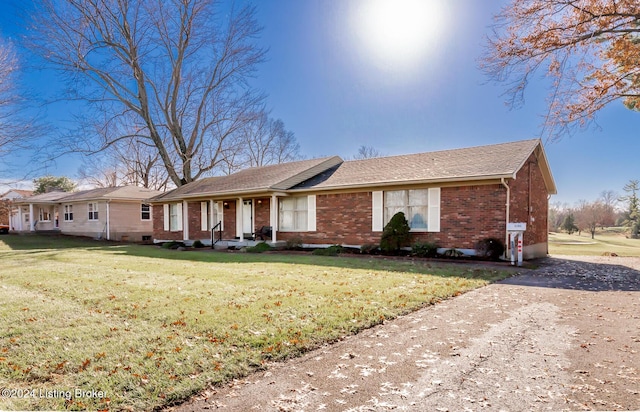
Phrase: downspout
{"type": "Point", "coordinates": [108, 223]}
{"type": "Point", "coordinates": [506, 232]}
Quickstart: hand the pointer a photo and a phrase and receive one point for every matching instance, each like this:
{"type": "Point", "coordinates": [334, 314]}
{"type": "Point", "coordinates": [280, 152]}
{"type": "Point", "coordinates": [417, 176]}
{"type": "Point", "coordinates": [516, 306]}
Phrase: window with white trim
{"type": "Point", "coordinates": [93, 211]}
{"type": "Point", "coordinates": [293, 214]}
{"type": "Point", "coordinates": [45, 215]}
{"type": "Point", "coordinates": [174, 217]}
{"type": "Point", "coordinates": [145, 211]}
{"type": "Point", "coordinates": [413, 203]}
{"type": "Point", "coordinates": [68, 213]}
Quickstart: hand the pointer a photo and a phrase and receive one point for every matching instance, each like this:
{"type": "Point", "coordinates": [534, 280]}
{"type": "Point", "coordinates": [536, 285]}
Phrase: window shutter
{"type": "Point", "coordinates": [376, 211]}
{"type": "Point", "coordinates": [204, 218]}
{"type": "Point", "coordinates": [311, 213]}
{"type": "Point", "coordinates": [179, 219]}
{"type": "Point", "coordinates": [434, 210]}
{"type": "Point", "coordinates": [165, 212]}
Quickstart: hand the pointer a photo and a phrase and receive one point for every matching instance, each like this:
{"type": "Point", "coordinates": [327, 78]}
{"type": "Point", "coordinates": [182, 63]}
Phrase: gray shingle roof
{"type": "Point", "coordinates": [468, 164]}
{"type": "Point", "coordinates": [107, 193]}
{"type": "Point", "coordinates": [474, 163]}
{"type": "Point", "coordinates": [256, 179]}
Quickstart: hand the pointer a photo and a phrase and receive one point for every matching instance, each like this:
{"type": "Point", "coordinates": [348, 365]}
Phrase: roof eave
{"type": "Point", "coordinates": [462, 179]}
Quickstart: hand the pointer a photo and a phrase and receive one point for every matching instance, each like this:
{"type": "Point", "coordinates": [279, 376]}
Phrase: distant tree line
{"type": "Point", "coordinates": [610, 209]}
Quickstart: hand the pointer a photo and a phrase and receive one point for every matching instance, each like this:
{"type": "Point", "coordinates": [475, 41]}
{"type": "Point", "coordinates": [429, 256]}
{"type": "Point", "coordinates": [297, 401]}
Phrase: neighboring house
{"type": "Point", "coordinates": [453, 198]}
{"type": "Point", "coordinates": [112, 213]}
{"type": "Point", "coordinates": [6, 202]}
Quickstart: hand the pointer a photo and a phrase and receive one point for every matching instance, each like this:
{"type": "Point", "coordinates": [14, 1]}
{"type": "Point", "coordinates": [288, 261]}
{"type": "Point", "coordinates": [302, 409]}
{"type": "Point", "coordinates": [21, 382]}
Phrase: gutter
{"type": "Point", "coordinates": [508, 204]}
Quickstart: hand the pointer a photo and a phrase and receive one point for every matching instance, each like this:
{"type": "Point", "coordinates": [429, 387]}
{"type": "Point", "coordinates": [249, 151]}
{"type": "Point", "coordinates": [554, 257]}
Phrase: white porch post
{"type": "Point", "coordinates": [20, 218]}
{"type": "Point", "coordinates": [31, 218]}
{"type": "Point", "coordinates": [185, 220]}
{"type": "Point", "coordinates": [240, 214]}
{"type": "Point", "coordinates": [273, 217]}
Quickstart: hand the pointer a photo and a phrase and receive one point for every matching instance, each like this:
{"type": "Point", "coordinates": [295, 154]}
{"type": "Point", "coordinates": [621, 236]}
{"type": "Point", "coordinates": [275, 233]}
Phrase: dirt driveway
{"type": "Point", "coordinates": [565, 336]}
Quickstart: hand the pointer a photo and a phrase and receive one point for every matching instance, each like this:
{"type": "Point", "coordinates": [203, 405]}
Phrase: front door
{"type": "Point", "coordinates": [247, 217]}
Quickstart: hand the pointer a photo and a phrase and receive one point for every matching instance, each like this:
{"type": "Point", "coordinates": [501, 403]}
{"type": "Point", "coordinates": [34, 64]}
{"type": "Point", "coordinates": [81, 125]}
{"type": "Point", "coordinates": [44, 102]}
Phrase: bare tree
{"type": "Point", "coordinates": [590, 215]}
{"type": "Point", "coordinates": [588, 48]}
{"type": "Point", "coordinates": [128, 162]}
{"type": "Point", "coordinates": [175, 72]}
{"type": "Point", "coordinates": [14, 127]}
{"type": "Point", "coordinates": [266, 141]}
{"type": "Point", "coordinates": [366, 152]}
{"type": "Point", "coordinates": [609, 200]}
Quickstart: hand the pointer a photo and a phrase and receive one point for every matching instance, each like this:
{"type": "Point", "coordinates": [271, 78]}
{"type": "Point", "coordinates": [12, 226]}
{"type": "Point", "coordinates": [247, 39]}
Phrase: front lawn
{"type": "Point", "coordinates": [139, 327]}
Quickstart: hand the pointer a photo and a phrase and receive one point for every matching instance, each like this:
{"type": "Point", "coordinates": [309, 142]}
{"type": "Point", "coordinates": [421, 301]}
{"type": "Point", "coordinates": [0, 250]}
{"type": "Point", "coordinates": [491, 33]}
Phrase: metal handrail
{"type": "Point", "coordinates": [213, 231]}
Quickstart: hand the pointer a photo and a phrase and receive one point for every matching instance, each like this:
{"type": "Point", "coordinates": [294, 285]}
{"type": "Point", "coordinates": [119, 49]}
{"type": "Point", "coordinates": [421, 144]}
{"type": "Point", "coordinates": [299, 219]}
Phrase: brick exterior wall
{"type": "Point", "coordinates": [467, 215]}
{"type": "Point", "coordinates": [343, 218]}
{"type": "Point", "coordinates": [158, 226]}
{"type": "Point", "coordinates": [529, 202]}
{"type": "Point", "coordinates": [262, 210]}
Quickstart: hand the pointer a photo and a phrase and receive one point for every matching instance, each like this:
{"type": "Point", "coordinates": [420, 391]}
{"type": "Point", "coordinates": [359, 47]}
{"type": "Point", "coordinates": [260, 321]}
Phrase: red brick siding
{"type": "Point", "coordinates": [229, 219]}
{"type": "Point", "coordinates": [529, 202]}
{"type": "Point", "coordinates": [340, 219]}
{"type": "Point", "coordinates": [195, 231]}
{"type": "Point", "coordinates": [467, 214]}
{"type": "Point", "coordinates": [262, 208]}
{"type": "Point", "coordinates": [158, 226]}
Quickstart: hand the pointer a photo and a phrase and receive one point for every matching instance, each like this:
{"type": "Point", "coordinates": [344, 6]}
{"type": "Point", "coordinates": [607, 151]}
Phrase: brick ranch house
{"type": "Point", "coordinates": [453, 198]}
{"type": "Point", "coordinates": [111, 213]}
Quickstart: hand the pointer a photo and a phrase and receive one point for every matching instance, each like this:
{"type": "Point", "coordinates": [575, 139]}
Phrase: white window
{"type": "Point", "coordinates": [421, 208]}
{"type": "Point", "coordinates": [172, 215]}
{"type": "Point", "coordinates": [209, 215]}
{"type": "Point", "coordinates": [45, 216]}
{"type": "Point", "coordinates": [93, 211]}
{"type": "Point", "coordinates": [293, 214]}
{"type": "Point", "coordinates": [145, 212]}
{"type": "Point", "coordinates": [68, 213]}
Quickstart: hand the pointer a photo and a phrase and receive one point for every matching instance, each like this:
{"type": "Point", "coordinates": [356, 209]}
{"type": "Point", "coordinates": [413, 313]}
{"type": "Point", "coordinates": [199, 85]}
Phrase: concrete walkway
{"type": "Point", "coordinates": [565, 336]}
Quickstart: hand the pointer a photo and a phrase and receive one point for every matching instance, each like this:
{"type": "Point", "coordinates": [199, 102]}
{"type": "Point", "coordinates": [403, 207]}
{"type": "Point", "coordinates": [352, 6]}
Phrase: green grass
{"type": "Point", "coordinates": [150, 327]}
{"type": "Point", "coordinates": [605, 242]}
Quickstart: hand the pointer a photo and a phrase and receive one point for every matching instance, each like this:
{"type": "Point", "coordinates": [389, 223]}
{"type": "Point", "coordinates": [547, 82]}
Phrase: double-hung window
{"type": "Point", "coordinates": [68, 213]}
{"type": "Point", "coordinates": [93, 211]}
{"type": "Point", "coordinates": [174, 216]}
{"type": "Point", "coordinates": [145, 211]}
{"type": "Point", "coordinates": [293, 214]}
{"type": "Point", "coordinates": [420, 206]}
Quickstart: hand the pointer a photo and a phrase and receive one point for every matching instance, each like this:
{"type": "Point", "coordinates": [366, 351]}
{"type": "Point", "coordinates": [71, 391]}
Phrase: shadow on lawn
{"type": "Point", "coordinates": [579, 275]}
{"type": "Point", "coordinates": [484, 270]}
{"type": "Point", "coordinates": [53, 241]}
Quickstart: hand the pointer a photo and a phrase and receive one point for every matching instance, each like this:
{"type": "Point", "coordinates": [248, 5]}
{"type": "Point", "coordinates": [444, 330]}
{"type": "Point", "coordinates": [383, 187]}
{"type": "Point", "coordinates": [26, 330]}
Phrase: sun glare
{"type": "Point", "coordinates": [400, 31]}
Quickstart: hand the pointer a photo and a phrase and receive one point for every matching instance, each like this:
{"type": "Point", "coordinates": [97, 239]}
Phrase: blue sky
{"type": "Point", "coordinates": [339, 82]}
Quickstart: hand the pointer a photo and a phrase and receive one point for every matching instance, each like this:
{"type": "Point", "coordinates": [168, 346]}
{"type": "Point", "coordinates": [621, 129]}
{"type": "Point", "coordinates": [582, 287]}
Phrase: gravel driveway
{"type": "Point", "coordinates": [565, 336]}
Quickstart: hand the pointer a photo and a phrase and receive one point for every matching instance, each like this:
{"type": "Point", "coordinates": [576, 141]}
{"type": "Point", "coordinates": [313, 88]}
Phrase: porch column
{"type": "Point", "coordinates": [20, 218]}
{"type": "Point", "coordinates": [185, 220]}
{"type": "Point", "coordinates": [240, 215]}
{"type": "Point", "coordinates": [273, 217]}
{"type": "Point", "coordinates": [31, 218]}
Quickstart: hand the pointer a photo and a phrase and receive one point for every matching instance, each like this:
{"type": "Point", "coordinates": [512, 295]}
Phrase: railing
{"type": "Point", "coordinates": [213, 231]}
